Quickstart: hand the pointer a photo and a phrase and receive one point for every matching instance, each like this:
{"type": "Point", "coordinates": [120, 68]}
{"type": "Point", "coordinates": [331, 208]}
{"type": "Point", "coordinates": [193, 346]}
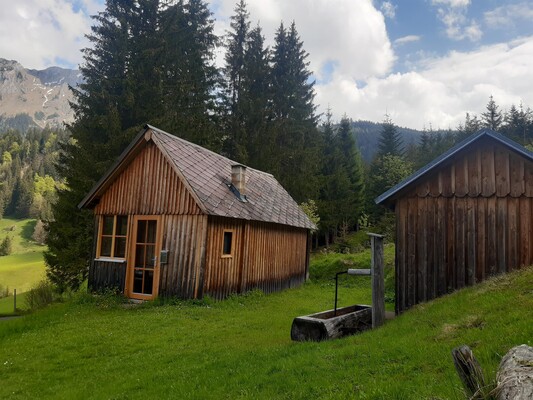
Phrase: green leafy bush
{"type": "Point", "coordinates": [41, 295]}
{"type": "Point", "coordinates": [4, 291]}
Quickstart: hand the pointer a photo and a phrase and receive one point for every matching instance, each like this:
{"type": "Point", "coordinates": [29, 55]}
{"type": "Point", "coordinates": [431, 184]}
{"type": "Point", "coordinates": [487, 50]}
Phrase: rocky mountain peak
{"type": "Point", "coordinates": [35, 98]}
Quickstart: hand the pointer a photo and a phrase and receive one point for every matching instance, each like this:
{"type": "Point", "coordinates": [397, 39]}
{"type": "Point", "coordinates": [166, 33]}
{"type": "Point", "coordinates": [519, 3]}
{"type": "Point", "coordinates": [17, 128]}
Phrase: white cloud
{"type": "Point", "coordinates": [441, 91]}
{"type": "Point", "coordinates": [352, 35]}
{"type": "Point", "coordinates": [388, 9]}
{"type": "Point", "coordinates": [453, 14]}
{"type": "Point", "coordinates": [506, 16]}
{"type": "Point", "coordinates": [407, 39]}
{"type": "Point", "coordinates": [452, 3]}
{"type": "Point", "coordinates": [38, 33]}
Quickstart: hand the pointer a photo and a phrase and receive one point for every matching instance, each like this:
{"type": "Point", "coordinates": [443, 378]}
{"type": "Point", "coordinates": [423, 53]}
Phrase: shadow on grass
{"type": "Point", "coordinates": [27, 229]}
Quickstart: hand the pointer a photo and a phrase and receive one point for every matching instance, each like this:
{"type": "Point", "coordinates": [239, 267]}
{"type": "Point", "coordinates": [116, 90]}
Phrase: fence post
{"type": "Point", "coordinates": [15, 301]}
{"type": "Point", "coordinates": [378, 280]}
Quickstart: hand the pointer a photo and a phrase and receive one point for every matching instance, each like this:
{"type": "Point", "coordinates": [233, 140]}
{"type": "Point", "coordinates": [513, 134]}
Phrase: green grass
{"type": "Point", "coordinates": [94, 348]}
{"type": "Point", "coordinates": [6, 304]}
{"type": "Point", "coordinates": [24, 267]}
{"type": "Point", "coordinates": [323, 267]}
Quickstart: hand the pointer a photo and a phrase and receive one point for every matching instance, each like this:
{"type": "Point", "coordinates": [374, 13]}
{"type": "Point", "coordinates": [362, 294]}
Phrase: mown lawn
{"type": "Point", "coordinates": [24, 267]}
{"type": "Point", "coordinates": [240, 348]}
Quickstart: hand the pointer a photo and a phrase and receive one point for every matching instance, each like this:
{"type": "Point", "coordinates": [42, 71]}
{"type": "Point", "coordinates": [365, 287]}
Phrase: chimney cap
{"type": "Point", "coordinates": [238, 166]}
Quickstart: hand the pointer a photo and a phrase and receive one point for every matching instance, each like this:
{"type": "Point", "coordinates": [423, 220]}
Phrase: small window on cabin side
{"type": "Point", "coordinates": [227, 245]}
{"type": "Point", "coordinates": [113, 236]}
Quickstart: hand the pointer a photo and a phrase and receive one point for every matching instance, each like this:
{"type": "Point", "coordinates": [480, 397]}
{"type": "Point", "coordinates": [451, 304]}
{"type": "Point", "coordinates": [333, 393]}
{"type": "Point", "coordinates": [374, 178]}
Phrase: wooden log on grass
{"type": "Point", "coordinates": [514, 378]}
{"type": "Point", "coordinates": [515, 374]}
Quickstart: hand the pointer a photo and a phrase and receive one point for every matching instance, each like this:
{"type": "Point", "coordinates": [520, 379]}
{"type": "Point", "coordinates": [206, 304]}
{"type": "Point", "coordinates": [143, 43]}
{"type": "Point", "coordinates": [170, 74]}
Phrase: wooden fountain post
{"type": "Point", "coordinates": [378, 280]}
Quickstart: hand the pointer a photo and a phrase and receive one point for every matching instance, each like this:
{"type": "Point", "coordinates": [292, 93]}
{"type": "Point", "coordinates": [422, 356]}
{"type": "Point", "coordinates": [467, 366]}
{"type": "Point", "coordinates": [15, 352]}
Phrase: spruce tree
{"type": "Point", "coordinates": [234, 70]}
{"type": "Point", "coordinates": [191, 80]}
{"type": "Point", "coordinates": [492, 118]}
{"type": "Point", "coordinates": [6, 246]}
{"type": "Point", "coordinates": [255, 101]}
{"type": "Point", "coordinates": [471, 126]}
{"type": "Point", "coordinates": [517, 124]}
{"type": "Point", "coordinates": [107, 116]}
{"type": "Point", "coordinates": [293, 131]}
{"type": "Point", "coordinates": [390, 140]}
{"type": "Point", "coordinates": [352, 206]}
{"type": "Point", "coordinates": [333, 181]}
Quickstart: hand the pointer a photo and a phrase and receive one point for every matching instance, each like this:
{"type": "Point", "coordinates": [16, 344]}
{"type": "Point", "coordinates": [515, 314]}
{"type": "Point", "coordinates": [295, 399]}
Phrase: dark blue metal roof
{"type": "Point", "coordinates": [450, 153]}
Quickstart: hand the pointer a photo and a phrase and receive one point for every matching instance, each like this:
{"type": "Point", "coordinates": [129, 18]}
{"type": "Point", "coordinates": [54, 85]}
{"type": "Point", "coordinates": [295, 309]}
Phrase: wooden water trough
{"type": "Point", "coordinates": [349, 320]}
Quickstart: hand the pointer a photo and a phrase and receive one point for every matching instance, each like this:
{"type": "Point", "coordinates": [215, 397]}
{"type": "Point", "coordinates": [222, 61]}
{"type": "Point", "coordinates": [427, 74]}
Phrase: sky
{"type": "Point", "coordinates": [425, 63]}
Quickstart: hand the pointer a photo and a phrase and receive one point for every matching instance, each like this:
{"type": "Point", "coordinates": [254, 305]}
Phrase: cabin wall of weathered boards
{"type": "Point", "coordinates": [470, 219]}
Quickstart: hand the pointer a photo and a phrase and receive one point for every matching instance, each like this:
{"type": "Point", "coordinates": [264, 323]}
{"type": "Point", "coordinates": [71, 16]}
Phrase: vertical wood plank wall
{"type": "Point", "coordinates": [148, 186]}
{"type": "Point", "coordinates": [272, 257]}
{"type": "Point", "coordinates": [185, 239]}
{"type": "Point", "coordinates": [470, 219]}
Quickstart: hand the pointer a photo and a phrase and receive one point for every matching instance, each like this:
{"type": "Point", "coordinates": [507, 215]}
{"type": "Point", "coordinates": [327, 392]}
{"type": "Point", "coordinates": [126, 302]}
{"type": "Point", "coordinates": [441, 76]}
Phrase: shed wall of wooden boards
{"type": "Point", "coordinates": [468, 218]}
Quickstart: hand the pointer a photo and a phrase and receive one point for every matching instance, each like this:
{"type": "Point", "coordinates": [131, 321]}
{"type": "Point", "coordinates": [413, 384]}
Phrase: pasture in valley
{"type": "Point", "coordinates": [24, 267]}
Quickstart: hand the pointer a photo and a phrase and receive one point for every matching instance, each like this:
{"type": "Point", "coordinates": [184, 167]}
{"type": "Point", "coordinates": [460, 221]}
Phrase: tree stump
{"type": "Point", "coordinates": [515, 374]}
{"type": "Point", "coordinates": [469, 371]}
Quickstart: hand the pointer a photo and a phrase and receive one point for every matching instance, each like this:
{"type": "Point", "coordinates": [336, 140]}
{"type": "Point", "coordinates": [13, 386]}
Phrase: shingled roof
{"type": "Point", "coordinates": [208, 176]}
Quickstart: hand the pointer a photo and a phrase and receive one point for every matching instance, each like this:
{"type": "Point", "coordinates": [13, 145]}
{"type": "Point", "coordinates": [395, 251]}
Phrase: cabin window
{"type": "Point", "coordinates": [113, 234]}
{"type": "Point", "coordinates": [227, 244]}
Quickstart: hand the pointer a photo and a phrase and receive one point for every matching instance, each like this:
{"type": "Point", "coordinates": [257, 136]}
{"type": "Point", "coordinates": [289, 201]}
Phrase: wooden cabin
{"type": "Point", "coordinates": [462, 218]}
{"type": "Point", "coordinates": [175, 219]}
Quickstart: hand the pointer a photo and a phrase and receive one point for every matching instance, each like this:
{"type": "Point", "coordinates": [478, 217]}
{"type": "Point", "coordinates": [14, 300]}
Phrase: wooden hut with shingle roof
{"type": "Point", "coordinates": [175, 219]}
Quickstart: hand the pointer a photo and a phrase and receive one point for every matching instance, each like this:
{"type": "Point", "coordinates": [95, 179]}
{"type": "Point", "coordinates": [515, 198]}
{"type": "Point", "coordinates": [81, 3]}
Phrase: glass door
{"type": "Point", "coordinates": [144, 263]}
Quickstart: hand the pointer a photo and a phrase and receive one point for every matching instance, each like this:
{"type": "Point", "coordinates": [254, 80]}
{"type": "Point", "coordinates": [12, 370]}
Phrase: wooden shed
{"type": "Point", "coordinates": [175, 219]}
{"type": "Point", "coordinates": [465, 216]}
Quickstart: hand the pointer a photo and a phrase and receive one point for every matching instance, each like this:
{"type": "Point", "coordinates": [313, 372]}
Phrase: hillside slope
{"type": "Point", "coordinates": [241, 348]}
{"type": "Point", "coordinates": [24, 267]}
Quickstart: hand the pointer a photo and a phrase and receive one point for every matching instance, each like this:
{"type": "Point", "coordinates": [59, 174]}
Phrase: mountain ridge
{"type": "Point", "coordinates": [31, 98]}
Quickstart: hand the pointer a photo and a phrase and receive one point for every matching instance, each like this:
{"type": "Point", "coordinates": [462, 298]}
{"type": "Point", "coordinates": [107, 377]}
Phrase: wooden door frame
{"type": "Point", "coordinates": [128, 291]}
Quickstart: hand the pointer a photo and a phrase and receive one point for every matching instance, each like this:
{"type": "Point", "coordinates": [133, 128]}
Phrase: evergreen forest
{"type": "Point", "coordinates": [154, 61]}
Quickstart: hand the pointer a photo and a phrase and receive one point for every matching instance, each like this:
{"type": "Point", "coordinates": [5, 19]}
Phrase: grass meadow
{"type": "Point", "coordinates": [24, 267]}
{"type": "Point", "coordinates": [96, 347]}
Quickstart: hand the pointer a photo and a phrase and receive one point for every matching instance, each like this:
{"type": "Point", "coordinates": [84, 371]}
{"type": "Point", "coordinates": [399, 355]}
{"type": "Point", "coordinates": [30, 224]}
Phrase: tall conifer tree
{"type": "Point", "coordinates": [352, 205]}
{"type": "Point", "coordinates": [191, 80]}
{"type": "Point", "coordinates": [236, 47]}
{"type": "Point", "coordinates": [390, 140]}
{"type": "Point", "coordinates": [255, 100]}
{"type": "Point", "coordinates": [293, 131]}
{"type": "Point", "coordinates": [492, 118]}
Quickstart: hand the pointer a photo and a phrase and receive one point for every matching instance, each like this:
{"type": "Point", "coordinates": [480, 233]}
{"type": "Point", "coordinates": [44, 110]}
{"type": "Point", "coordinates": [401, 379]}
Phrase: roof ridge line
{"type": "Point", "coordinates": [174, 137]}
